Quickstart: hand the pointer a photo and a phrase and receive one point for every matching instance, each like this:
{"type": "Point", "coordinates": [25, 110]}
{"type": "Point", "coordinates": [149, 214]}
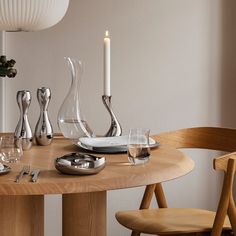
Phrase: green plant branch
{"type": "Point", "coordinates": [6, 67]}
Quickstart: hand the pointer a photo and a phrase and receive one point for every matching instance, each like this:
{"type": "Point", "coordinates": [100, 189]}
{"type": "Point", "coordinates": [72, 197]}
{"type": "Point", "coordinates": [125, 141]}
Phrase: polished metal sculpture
{"type": "Point", "coordinates": [43, 130]}
{"type": "Point", "coordinates": [115, 127]}
{"type": "Point", "coordinates": [23, 129]}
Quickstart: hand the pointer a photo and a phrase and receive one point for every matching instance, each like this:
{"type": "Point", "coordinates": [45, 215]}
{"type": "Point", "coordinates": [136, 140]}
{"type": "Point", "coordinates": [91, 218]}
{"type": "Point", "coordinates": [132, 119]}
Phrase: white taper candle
{"type": "Point", "coordinates": [107, 64]}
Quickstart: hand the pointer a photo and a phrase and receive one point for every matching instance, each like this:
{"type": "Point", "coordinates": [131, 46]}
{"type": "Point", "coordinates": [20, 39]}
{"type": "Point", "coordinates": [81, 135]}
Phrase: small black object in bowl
{"type": "Point", "coordinates": [80, 164]}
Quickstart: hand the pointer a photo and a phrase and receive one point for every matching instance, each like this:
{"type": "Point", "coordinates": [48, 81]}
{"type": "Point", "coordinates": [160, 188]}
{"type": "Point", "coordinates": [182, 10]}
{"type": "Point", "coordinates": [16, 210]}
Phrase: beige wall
{"type": "Point", "coordinates": [173, 65]}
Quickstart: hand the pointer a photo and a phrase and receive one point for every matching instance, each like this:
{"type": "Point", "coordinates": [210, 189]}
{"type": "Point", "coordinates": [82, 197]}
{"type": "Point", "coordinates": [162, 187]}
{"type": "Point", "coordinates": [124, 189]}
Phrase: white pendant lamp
{"type": "Point", "coordinates": [31, 15]}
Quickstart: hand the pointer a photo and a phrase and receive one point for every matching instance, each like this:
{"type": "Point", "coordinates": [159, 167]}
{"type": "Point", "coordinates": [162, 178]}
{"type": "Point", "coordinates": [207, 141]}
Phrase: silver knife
{"type": "Point", "coordinates": [35, 174]}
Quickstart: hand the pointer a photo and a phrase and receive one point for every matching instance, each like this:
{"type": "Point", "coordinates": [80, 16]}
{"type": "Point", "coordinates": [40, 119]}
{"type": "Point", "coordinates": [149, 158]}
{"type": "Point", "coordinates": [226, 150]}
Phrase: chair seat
{"type": "Point", "coordinates": [166, 221]}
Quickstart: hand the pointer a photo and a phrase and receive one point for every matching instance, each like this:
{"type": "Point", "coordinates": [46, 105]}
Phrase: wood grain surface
{"type": "Point", "coordinates": [84, 214]}
{"type": "Point", "coordinates": [165, 164]}
{"type": "Point", "coordinates": [84, 197]}
{"type": "Point", "coordinates": [22, 215]}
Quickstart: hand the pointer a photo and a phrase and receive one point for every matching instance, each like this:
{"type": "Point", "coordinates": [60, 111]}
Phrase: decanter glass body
{"type": "Point", "coordinates": [70, 119]}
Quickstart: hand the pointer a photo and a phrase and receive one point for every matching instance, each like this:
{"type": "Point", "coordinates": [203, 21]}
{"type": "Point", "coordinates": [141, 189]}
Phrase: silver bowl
{"type": "Point", "coordinates": [80, 164]}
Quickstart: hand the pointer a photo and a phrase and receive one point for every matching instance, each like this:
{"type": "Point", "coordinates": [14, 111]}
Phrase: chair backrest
{"type": "Point", "coordinates": [226, 205]}
{"type": "Point", "coordinates": [215, 138]}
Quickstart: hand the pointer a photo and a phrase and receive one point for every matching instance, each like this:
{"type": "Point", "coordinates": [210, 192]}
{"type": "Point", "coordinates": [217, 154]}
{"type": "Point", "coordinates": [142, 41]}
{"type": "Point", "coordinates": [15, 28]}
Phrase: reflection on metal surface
{"type": "Point", "coordinates": [80, 164]}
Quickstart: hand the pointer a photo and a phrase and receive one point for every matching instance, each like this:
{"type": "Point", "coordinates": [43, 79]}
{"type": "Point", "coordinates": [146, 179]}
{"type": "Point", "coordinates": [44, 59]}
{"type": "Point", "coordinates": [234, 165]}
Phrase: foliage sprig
{"type": "Point", "coordinates": [6, 67]}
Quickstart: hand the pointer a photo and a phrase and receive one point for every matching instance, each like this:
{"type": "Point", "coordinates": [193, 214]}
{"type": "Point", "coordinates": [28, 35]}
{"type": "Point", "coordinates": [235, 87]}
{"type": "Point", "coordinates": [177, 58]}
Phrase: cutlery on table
{"type": "Point", "coordinates": [35, 174]}
{"type": "Point", "coordinates": [25, 171]}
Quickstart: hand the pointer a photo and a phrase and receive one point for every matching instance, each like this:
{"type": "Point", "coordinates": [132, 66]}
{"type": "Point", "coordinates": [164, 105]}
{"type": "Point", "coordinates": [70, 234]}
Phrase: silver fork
{"type": "Point", "coordinates": [25, 171]}
{"type": "Point", "coordinates": [35, 174]}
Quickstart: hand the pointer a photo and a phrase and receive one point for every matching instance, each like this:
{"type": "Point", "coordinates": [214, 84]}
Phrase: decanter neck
{"type": "Point", "coordinates": [76, 69]}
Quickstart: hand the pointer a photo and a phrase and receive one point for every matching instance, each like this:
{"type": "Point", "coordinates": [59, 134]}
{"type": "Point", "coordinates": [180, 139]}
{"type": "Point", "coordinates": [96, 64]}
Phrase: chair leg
{"type": "Point", "coordinates": [135, 233]}
{"type": "Point", "coordinates": [160, 196]}
{"type": "Point", "coordinates": [146, 201]}
{"type": "Point", "coordinates": [147, 196]}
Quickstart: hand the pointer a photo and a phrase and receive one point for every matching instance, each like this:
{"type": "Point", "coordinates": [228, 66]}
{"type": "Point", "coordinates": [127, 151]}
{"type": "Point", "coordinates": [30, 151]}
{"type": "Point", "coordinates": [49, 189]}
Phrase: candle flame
{"type": "Point", "coordinates": [107, 33]}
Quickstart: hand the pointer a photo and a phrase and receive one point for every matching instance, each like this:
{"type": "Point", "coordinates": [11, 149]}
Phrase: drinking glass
{"type": "Point", "coordinates": [11, 148]}
{"type": "Point", "coordinates": [138, 146]}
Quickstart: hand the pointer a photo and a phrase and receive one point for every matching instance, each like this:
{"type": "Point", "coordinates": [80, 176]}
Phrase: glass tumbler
{"type": "Point", "coordinates": [138, 146]}
{"type": "Point", "coordinates": [11, 149]}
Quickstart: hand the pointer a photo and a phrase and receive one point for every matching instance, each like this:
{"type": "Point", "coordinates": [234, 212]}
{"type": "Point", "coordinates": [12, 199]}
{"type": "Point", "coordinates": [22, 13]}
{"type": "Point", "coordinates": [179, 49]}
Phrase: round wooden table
{"type": "Point", "coordinates": [84, 197]}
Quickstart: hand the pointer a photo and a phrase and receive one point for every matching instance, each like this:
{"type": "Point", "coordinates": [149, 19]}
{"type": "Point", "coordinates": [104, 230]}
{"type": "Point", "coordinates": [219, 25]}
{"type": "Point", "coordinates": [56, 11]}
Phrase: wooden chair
{"type": "Point", "coordinates": [188, 221]}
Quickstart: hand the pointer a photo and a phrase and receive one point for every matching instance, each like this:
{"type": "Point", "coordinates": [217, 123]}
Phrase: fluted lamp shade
{"type": "Point", "coordinates": [31, 15]}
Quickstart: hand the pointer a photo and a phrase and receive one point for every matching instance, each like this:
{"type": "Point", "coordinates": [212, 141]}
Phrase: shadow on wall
{"type": "Point", "coordinates": [228, 65]}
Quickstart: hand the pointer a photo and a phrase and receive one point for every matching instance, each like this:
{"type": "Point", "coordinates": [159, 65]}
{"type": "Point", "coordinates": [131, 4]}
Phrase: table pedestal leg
{"type": "Point", "coordinates": [21, 215]}
{"type": "Point", "coordinates": [84, 214]}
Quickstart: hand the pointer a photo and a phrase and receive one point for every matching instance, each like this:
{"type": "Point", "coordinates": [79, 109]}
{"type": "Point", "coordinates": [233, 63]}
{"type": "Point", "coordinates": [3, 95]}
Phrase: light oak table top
{"type": "Point", "coordinates": [165, 164]}
{"type": "Point", "coordinates": [84, 199]}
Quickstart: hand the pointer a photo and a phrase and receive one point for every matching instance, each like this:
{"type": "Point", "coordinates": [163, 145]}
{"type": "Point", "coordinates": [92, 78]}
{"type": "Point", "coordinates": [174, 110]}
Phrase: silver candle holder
{"type": "Point", "coordinates": [115, 127]}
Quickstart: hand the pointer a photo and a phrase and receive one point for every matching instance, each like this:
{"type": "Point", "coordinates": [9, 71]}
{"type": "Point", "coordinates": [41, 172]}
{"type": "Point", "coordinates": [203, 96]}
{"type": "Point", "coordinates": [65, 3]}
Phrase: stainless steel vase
{"type": "Point", "coordinates": [43, 130]}
{"type": "Point", "coordinates": [23, 130]}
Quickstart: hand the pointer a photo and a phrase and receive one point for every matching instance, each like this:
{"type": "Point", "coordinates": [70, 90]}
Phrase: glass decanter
{"type": "Point", "coordinates": [70, 119]}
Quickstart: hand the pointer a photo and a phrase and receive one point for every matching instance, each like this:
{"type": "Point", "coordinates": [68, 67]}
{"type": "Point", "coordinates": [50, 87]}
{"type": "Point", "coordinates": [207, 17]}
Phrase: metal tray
{"type": "Point", "coordinates": [80, 164]}
{"type": "Point", "coordinates": [116, 149]}
{"type": "Point", "coordinates": [111, 149]}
